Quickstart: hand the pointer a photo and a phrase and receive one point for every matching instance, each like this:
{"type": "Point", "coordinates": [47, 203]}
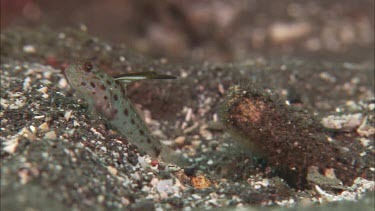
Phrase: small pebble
{"type": "Point", "coordinates": [327, 77]}
{"type": "Point", "coordinates": [29, 49]}
{"type": "Point", "coordinates": [154, 162]}
{"type": "Point", "coordinates": [51, 135]}
{"type": "Point", "coordinates": [285, 32]}
{"type": "Point", "coordinates": [196, 143]}
{"type": "Point", "coordinates": [366, 129]}
{"type": "Point", "coordinates": [63, 83]}
{"type": "Point", "coordinates": [112, 170]}
{"type": "Point", "coordinates": [101, 198]}
{"type": "Point", "coordinates": [154, 182]}
{"type": "Point", "coordinates": [221, 89]}
{"type": "Point", "coordinates": [24, 176]}
{"type": "Point", "coordinates": [180, 140]}
{"type": "Point", "coordinates": [165, 186]}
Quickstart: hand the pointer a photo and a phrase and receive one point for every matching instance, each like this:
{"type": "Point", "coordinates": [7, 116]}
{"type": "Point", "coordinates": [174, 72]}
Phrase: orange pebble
{"type": "Point", "coordinates": [200, 182]}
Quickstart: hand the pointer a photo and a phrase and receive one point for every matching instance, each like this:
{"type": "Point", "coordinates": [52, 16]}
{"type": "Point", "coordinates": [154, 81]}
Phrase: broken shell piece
{"type": "Point", "coordinates": [353, 193]}
{"type": "Point", "coordinates": [325, 195]}
{"type": "Point", "coordinates": [365, 142]}
{"type": "Point", "coordinates": [44, 126]}
{"type": "Point", "coordinates": [27, 134]}
{"type": "Point", "coordinates": [75, 123]}
{"type": "Point", "coordinates": [33, 129]}
{"type": "Point", "coordinates": [39, 117]}
{"type": "Point", "coordinates": [11, 146]}
{"type": "Point", "coordinates": [67, 115]}
{"type": "Point", "coordinates": [345, 122]}
{"type": "Point", "coordinates": [43, 90]}
{"type": "Point", "coordinates": [26, 84]}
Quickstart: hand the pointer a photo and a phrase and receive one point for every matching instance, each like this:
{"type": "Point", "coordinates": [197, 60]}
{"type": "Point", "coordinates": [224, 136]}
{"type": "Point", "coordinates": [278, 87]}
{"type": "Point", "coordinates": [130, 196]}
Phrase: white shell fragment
{"type": "Point", "coordinates": [39, 117]}
{"type": "Point", "coordinates": [67, 115]}
{"type": "Point", "coordinates": [27, 134]}
{"type": "Point", "coordinates": [44, 127]}
{"type": "Point", "coordinates": [11, 145]}
{"type": "Point", "coordinates": [26, 84]}
{"type": "Point", "coordinates": [17, 104]}
{"type": "Point", "coordinates": [165, 186]}
{"type": "Point", "coordinates": [354, 193]}
{"type": "Point", "coordinates": [75, 123]}
{"type": "Point", "coordinates": [97, 133]}
{"type": "Point", "coordinates": [344, 122]}
{"type": "Point", "coordinates": [43, 90]}
{"type": "Point", "coordinates": [365, 142]}
{"type": "Point", "coordinates": [29, 49]}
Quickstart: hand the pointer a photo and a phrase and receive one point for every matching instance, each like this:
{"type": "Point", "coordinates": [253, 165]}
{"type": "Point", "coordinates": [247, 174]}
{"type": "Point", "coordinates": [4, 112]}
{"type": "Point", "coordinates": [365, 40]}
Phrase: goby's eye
{"type": "Point", "coordinates": [87, 67]}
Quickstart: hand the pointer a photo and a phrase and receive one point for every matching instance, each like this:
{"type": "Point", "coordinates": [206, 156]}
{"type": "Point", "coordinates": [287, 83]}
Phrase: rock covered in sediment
{"type": "Point", "coordinates": [292, 140]}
